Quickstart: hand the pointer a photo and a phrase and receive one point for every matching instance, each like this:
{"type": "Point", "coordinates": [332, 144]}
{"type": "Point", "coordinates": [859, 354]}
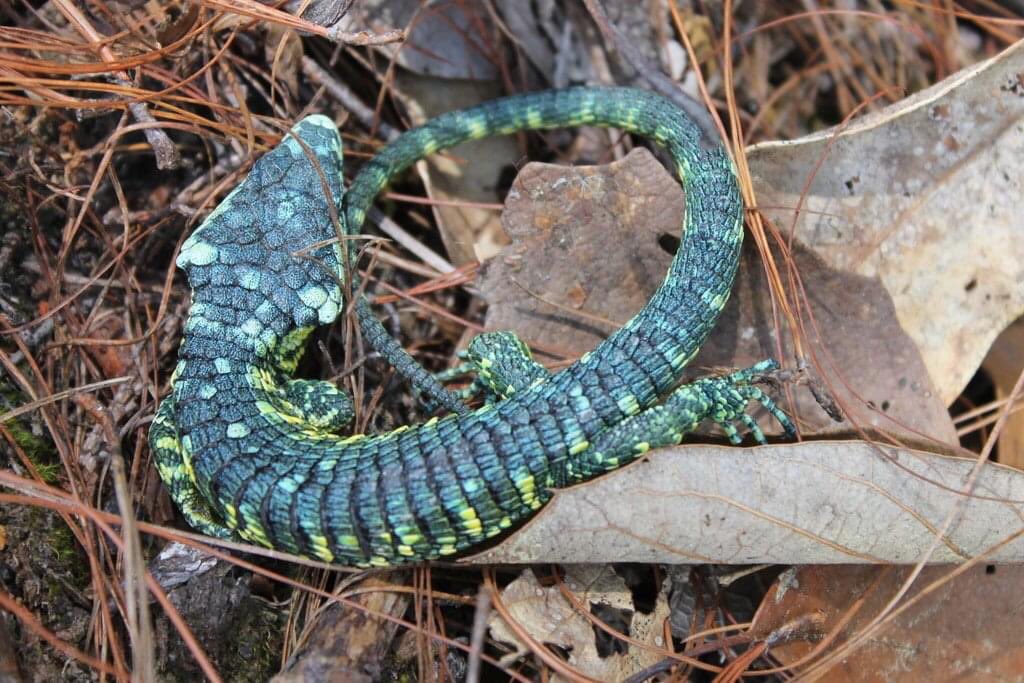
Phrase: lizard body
{"type": "Point", "coordinates": [248, 450]}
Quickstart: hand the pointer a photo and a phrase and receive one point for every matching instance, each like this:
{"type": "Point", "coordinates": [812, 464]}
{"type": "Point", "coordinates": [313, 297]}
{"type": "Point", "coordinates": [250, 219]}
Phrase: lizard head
{"type": "Point", "coordinates": [263, 253]}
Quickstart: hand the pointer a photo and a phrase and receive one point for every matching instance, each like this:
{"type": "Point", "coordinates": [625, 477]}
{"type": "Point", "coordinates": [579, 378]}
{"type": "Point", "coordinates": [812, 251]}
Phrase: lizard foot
{"type": "Point", "coordinates": [728, 397]}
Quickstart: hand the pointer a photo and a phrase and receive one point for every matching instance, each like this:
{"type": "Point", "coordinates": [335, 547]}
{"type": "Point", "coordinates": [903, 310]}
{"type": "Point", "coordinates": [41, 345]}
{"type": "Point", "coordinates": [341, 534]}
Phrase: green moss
{"type": "Point", "coordinates": [38, 450]}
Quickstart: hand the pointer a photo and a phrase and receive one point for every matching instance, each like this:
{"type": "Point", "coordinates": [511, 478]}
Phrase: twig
{"type": "Point", "coordinates": [135, 596]}
{"type": "Point", "coordinates": [47, 400]}
{"type": "Point", "coordinates": [476, 642]}
{"type": "Point", "coordinates": [166, 153]}
{"type": "Point", "coordinates": [399, 235]}
{"type": "Point", "coordinates": [364, 38]}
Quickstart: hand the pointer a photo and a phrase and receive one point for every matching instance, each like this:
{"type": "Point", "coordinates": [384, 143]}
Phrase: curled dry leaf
{"type": "Point", "coordinates": [322, 12]}
{"type": "Point", "coordinates": [924, 195]}
{"type": "Point", "coordinates": [812, 502]}
{"type": "Point", "coordinates": [549, 617]}
{"type": "Point", "coordinates": [447, 66]}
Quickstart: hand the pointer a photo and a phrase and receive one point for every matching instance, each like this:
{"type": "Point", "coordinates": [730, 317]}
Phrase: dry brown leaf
{"type": "Point", "coordinates": [969, 629]}
{"type": "Point", "coordinates": [565, 46]}
{"type": "Point", "coordinates": [581, 234]}
{"type": "Point", "coordinates": [870, 366]}
{"type": "Point", "coordinates": [549, 617]}
{"type": "Point", "coordinates": [924, 195]}
{"type": "Point", "coordinates": [806, 503]}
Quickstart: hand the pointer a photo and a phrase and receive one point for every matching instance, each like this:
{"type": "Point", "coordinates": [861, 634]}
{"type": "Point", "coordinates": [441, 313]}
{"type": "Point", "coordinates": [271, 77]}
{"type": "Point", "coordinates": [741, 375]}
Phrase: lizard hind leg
{"type": "Point", "coordinates": [504, 364]}
{"type": "Point", "coordinates": [729, 396]}
{"type": "Point", "coordinates": [722, 399]}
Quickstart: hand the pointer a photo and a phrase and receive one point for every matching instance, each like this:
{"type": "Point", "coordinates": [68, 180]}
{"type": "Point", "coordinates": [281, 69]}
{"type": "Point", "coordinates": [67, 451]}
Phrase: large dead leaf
{"type": "Point", "coordinates": [813, 502]}
{"type": "Point", "coordinates": [590, 241]}
{"type": "Point", "coordinates": [924, 195]}
{"type": "Point", "coordinates": [870, 366]}
{"type": "Point", "coordinates": [967, 629]}
{"type": "Point", "coordinates": [585, 238]}
{"type": "Point", "coordinates": [548, 616]}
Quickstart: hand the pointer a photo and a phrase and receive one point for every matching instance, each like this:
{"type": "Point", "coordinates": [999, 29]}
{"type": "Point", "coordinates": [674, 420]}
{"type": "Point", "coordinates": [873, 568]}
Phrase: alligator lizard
{"type": "Point", "coordinates": [247, 450]}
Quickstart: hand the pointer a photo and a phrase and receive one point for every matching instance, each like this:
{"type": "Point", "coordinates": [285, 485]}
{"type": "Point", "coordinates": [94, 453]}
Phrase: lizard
{"type": "Point", "coordinates": [247, 450]}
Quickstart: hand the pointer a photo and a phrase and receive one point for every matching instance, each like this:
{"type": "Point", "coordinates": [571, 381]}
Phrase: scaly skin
{"type": "Point", "coordinates": [246, 450]}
